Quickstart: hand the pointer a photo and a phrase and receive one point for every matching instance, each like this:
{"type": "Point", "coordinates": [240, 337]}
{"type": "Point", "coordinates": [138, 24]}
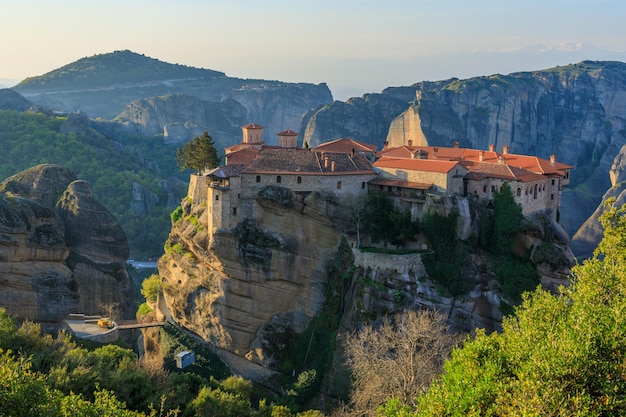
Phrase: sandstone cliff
{"type": "Point", "coordinates": [60, 250]}
{"type": "Point", "coordinates": [244, 289]}
{"type": "Point", "coordinates": [590, 233]}
{"type": "Point", "coordinates": [575, 112]}
{"type": "Point", "coordinates": [269, 271]}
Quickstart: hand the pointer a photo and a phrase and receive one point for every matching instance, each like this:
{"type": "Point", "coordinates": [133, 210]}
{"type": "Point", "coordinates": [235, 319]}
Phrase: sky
{"type": "Point", "coordinates": [354, 46]}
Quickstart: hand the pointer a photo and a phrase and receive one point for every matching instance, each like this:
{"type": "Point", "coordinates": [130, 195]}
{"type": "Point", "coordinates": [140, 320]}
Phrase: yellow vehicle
{"type": "Point", "coordinates": [105, 323]}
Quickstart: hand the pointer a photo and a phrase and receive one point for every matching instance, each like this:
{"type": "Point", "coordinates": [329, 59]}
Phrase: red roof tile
{"type": "Point", "coordinates": [428, 165]}
{"type": "Point", "coordinates": [345, 145]}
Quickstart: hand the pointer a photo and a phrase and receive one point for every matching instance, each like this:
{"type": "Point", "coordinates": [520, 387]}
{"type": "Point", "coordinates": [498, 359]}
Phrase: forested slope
{"type": "Point", "coordinates": [126, 181]}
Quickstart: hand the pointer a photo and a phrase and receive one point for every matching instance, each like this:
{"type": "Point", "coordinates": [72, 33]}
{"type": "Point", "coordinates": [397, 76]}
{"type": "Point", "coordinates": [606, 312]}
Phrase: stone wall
{"type": "Point", "coordinates": [406, 265]}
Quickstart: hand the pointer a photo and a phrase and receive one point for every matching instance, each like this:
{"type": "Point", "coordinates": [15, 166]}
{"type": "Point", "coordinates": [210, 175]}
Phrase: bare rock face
{"type": "Point", "coordinates": [61, 251]}
{"type": "Point", "coordinates": [266, 275]}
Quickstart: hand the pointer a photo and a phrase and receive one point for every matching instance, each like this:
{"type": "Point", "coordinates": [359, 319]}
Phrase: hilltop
{"type": "Point", "coordinates": [116, 68]}
{"type": "Point", "coordinates": [151, 97]}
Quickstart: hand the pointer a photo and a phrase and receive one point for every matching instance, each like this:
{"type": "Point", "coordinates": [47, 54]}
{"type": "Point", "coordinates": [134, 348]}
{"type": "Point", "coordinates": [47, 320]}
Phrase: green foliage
{"type": "Point", "coordinates": [560, 355]}
{"type": "Point", "coordinates": [106, 69]}
{"type": "Point", "coordinates": [444, 264]}
{"type": "Point", "coordinates": [507, 217]}
{"type": "Point", "coordinates": [198, 154]}
{"type": "Point", "coordinates": [177, 214]}
{"type": "Point", "coordinates": [385, 222]}
{"type": "Point", "coordinates": [29, 139]}
{"type": "Point", "coordinates": [150, 287]}
{"type": "Point", "coordinates": [516, 276]}
{"type": "Point", "coordinates": [207, 364]}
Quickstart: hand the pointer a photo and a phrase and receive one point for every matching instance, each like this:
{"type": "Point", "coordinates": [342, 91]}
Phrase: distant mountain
{"type": "Point", "coordinates": [106, 70]}
{"type": "Point", "coordinates": [576, 112]}
{"type": "Point", "coordinates": [129, 87]}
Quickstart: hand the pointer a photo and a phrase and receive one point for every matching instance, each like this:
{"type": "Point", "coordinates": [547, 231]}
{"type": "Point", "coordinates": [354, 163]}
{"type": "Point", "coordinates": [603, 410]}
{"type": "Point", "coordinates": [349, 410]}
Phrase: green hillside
{"type": "Point", "coordinates": [111, 167]}
{"type": "Point", "coordinates": [108, 69]}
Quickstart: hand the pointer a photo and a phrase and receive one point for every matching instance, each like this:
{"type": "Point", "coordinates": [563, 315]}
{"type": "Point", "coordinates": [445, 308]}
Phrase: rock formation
{"type": "Point", "coordinates": [244, 289]}
{"type": "Point", "coordinates": [60, 250]}
{"type": "Point", "coordinates": [270, 270]}
{"type": "Point", "coordinates": [590, 233]}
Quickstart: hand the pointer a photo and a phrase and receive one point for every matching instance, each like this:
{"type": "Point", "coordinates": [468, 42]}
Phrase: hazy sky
{"type": "Point", "coordinates": [355, 46]}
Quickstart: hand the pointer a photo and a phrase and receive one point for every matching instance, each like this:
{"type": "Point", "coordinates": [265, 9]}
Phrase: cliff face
{"type": "Point", "coordinates": [60, 250]}
{"type": "Point", "coordinates": [270, 271]}
{"type": "Point", "coordinates": [243, 289]}
{"type": "Point", "coordinates": [574, 112]}
{"type": "Point", "coordinates": [590, 233]}
{"type": "Point", "coordinates": [187, 112]}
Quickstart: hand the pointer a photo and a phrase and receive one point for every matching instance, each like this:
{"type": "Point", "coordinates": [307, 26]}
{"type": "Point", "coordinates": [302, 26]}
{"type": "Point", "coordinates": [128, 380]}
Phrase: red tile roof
{"type": "Point", "coordinates": [287, 132]}
{"type": "Point", "coordinates": [428, 165]}
{"type": "Point", "coordinates": [531, 164]}
{"type": "Point", "coordinates": [345, 145]}
{"type": "Point", "coordinates": [243, 156]}
{"type": "Point", "coordinates": [307, 162]}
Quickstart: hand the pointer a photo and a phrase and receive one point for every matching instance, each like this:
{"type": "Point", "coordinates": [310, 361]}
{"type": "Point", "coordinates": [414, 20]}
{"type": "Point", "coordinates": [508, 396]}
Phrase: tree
{"type": "Point", "coordinates": [560, 355]}
{"type": "Point", "coordinates": [398, 359]}
{"type": "Point", "coordinates": [150, 287]}
{"type": "Point", "coordinates": [198, 154]}
{"type": "Point", "coordinates": [507, 216]}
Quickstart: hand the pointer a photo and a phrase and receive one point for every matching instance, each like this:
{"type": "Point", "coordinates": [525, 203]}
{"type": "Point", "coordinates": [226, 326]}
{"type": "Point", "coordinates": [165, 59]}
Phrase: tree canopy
{"type": "Point", "coordinates": [198, 154]}
{"type": "Point", "coordinates": [560, 355]}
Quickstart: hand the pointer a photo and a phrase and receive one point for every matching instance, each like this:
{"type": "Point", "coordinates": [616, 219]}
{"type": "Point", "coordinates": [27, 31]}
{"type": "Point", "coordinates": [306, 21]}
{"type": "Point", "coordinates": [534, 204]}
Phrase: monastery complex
{"type": "Point", "coordinates": [351, 169]}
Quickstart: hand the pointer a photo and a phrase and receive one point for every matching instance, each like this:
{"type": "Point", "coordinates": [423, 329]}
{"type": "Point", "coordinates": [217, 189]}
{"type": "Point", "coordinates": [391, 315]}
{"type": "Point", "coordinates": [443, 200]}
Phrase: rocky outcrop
{"type": "Point", "coordinates": [590, 233]}
{"type": "Point", "coordinates": [61, 251]}
{"type": "Point", "coordinates": [269, 272]}
{"type": "Point", "coordinates": [249, 288]}
{"type": "Point", "coordinates": [181, 117]}
{"type": "Point", "coordinates": [575, 112]}
{"type": "Point", "coordinates": [10, 100]}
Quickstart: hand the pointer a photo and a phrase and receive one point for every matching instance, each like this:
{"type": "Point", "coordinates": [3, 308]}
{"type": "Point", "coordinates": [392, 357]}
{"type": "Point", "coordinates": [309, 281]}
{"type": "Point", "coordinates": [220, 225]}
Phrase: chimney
{"type": "Point", "coordinates": [505, 150]}
{"type": "Point", "coordinates": [492, 147]}
{"type": "Point", "coordinates": [481, 155]}
{"type": "Point", "coordinates": [325, 161]}
{"type": "Point", "coordinates": [553, 160]}
{"type": "Point", "coordinates": [456, 144]}
{"type": "Point", "coordinates": [410, 142]}
{"type": "Point", "coordinates": [500, 160]}
{"type": "Point", "coordinates": [385, 145]}
{"type": "Point", "coordinates": [332, 166]}
{"type": "Point", "coordinates": [435, 151]}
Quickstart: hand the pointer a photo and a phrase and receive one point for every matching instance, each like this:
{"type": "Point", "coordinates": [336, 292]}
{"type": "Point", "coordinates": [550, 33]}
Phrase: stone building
{"type": "Point", "coordinates": [536, 183]}
{"type": "Point", "coordinates": [344, 167]}
{"type": "Point", "coordinates": [251, 166]}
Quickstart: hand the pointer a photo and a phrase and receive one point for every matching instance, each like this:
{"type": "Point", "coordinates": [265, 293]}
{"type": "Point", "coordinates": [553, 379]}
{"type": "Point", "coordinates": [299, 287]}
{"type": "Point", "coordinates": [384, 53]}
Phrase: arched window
{"type": "Point", "coordinates": [485, 188]}
{"type": "Point", "coordinates": [278, 179]}
{"type": "Point", "coordinates": [363, 185]}
{"type": "Point", "coordinates": [519, 192]}
{"type": "Point", "coordinates": [258, 178]}
{"type": "Point", "coordinates": [217, 197]}
{"type": "Point", "coordinates": [339, 185]}
{"type": "Point", "coordinates": [299, 180]}
{"type": "Point", "coordinates": [535, 192]}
